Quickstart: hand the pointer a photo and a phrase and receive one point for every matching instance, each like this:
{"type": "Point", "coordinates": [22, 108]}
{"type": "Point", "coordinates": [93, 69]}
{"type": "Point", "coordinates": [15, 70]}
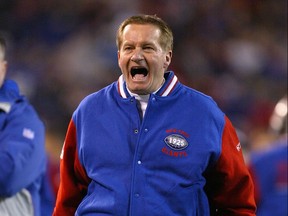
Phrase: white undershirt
{"type": "Point", "coordinates": [142, 100]}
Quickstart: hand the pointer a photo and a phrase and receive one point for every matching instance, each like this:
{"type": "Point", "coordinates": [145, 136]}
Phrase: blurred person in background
{"type": "Point", "coordinates": [148, 145]}
{"type": "Point", "coordinates": [51, 180]}
{"type": "Point", "coordinates": [22, 149]}
{"type": "Point", "coordinates": [269, 167]}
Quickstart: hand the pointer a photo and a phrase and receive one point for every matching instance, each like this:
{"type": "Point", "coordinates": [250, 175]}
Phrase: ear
{"type": "Point", "coordinates": [118, 55]}
{"type": "Point", "coordinates": [3, 70]}
{"type": "Point", "coordinates": [168, 58]}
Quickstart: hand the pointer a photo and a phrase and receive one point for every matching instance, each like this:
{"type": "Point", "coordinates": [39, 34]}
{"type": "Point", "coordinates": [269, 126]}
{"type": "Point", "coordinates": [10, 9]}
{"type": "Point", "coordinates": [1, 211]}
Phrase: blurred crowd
{"type": "Point", "coordinates": [236, 51]}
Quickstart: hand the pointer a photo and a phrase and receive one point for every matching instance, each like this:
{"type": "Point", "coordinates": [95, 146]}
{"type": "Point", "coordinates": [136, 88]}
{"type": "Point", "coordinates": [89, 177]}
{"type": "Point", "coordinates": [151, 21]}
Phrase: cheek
{"type": "Point", "coordinates": [122, 59]}
{"type": "Point", "coordinates": [120, 62]}
{"type": "Point", "coordinates": [160, 61]}
{"type": "Point", "coordinates": [123, 65]}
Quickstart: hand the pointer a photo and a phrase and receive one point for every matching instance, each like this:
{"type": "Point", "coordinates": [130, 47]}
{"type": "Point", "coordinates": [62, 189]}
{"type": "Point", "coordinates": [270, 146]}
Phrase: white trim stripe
{"type": "Point", "coordinates": [121, 86]}
{"type": "Point", "coordinates": [170, 87]}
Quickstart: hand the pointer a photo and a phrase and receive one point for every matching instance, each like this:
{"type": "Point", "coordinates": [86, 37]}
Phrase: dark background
{"type": "Point", "coordinates": [233, 50]}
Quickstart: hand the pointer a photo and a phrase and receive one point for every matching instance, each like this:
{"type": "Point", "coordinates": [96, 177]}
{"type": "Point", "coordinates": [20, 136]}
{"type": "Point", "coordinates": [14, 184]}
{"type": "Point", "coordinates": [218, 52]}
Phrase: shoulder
{"type": "Point", "coordinates": [12, 102]}
{"type": "Point", "coordinates": [102, 94]}
{"type": "Point", "coordinates": [97, 99]}
{"type": "Point", "coordinates": [200, 101]}
{"type": "Point", "coordinates": [9, 92]}
{"type": "Point", "coordinates": [277, 151]}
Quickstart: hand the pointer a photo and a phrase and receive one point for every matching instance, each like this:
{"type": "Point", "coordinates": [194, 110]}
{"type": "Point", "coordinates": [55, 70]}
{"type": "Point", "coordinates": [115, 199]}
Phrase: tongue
{"type": "Point", "coordinates": [138, 77]}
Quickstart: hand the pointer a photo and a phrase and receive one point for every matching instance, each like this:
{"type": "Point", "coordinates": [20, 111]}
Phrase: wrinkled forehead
{"type": "Point", "coordinates": [145, 33]}
{"type": "Point", "coordinates": [146, 30]}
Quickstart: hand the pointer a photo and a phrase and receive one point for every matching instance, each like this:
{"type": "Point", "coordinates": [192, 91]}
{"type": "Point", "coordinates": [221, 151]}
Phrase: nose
{"type": "Point", "coordinates": [137, 55]}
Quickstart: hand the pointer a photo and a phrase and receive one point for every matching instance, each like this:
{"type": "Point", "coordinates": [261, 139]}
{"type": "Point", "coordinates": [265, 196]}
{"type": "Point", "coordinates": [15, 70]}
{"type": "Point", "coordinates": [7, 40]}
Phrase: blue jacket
{"type": "Point", "coordinates": [22, 149]}
{"type": "Point", "coordinates": [270, 172]}
{"type": "Point", "coordinates": [181, 156]}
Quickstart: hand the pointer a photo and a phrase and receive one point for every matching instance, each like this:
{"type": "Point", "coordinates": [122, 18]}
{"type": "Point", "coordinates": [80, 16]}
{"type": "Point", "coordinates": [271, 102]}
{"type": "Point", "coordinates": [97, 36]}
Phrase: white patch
{"type": "Point", "coordinates": [238, 147]}
{"type": "Point", "coordinates": [6, 107]}
{"type": "Point", "coordinates": [28, 133]}
{"type": "Point", "coordinates": [176, 142]}
{"type": "Point", "coordinates": [170, 87]}
{"type": "Point", "coordinates": [139, 77]}
{"type": "Point", "coordinates": [62, 151]}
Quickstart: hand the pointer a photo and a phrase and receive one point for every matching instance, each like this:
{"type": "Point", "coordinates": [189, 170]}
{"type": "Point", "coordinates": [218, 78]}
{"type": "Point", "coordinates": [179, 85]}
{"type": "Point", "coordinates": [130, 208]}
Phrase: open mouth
{"type": "Point", "coordinates": [138, 72]}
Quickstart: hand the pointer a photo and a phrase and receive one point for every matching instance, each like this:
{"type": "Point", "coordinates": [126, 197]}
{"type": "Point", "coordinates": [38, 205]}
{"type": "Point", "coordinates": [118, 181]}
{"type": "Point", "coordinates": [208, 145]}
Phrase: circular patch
{"type": "Point", "coordinates": [176, 142]}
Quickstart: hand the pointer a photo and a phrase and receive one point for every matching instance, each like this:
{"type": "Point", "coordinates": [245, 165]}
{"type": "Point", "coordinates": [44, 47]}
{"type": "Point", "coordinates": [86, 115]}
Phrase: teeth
{"type": "Point", "coordinates": [138, 77]}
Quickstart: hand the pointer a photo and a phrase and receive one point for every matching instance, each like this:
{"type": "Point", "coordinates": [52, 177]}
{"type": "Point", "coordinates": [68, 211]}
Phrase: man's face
{"type": "Point", "coordinates": [141, 59]}
{"type": "Point", "coordinates": [3, 67]}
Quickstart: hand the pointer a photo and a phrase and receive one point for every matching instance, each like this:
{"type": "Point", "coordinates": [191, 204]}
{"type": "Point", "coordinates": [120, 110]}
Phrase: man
{"type": "Point", "coordinates": [148, 145]}
{"type": "Point", "coordinates": [22, 149]}
{"type": "Point", "coordinates": [269, 167]}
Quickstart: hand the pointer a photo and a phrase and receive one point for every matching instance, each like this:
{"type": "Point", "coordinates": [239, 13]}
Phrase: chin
{"type": "Point", "coordinates": [139, 91]}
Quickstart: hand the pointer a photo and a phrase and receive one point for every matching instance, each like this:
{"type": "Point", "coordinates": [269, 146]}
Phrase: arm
{"type": "Point", "coordinates": [22, 150]}
{"type": "Point", "coordinates": [229, 185]}
{"type": "Point", "coordinates": [73, 178]}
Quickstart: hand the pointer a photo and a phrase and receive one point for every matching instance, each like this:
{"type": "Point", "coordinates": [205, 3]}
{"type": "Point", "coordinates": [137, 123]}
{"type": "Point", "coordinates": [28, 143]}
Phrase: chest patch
{"type": "Point", "coordinates": [176, 142]}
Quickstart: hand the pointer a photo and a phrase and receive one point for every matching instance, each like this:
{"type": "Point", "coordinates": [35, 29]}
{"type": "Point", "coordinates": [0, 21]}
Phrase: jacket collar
{"type": "Point", "coordinates": [9, 94]}
{"type": "Point", "coordinates": [171, 81]}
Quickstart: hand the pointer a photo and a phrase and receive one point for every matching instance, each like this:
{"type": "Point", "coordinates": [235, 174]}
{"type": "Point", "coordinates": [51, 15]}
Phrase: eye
{"type": "Point", "coordinates": [148, 48]}
{"type": "Point", "coordinates": [127, 48]}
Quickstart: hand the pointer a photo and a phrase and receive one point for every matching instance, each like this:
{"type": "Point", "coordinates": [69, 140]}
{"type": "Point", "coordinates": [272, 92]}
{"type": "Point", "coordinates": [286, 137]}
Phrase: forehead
{"type": "Point", "coordinates": [141, 32]}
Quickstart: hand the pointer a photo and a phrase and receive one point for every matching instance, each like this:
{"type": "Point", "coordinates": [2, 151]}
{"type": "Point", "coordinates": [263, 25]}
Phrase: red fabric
{"type": "Point", "coordinates": [230, 185]}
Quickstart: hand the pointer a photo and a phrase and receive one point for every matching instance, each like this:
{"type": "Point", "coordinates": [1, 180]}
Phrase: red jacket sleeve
{"type": "Point", "coordinates": [229, 185]}
{"type": "Point", "coordinates": [73, 178]}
